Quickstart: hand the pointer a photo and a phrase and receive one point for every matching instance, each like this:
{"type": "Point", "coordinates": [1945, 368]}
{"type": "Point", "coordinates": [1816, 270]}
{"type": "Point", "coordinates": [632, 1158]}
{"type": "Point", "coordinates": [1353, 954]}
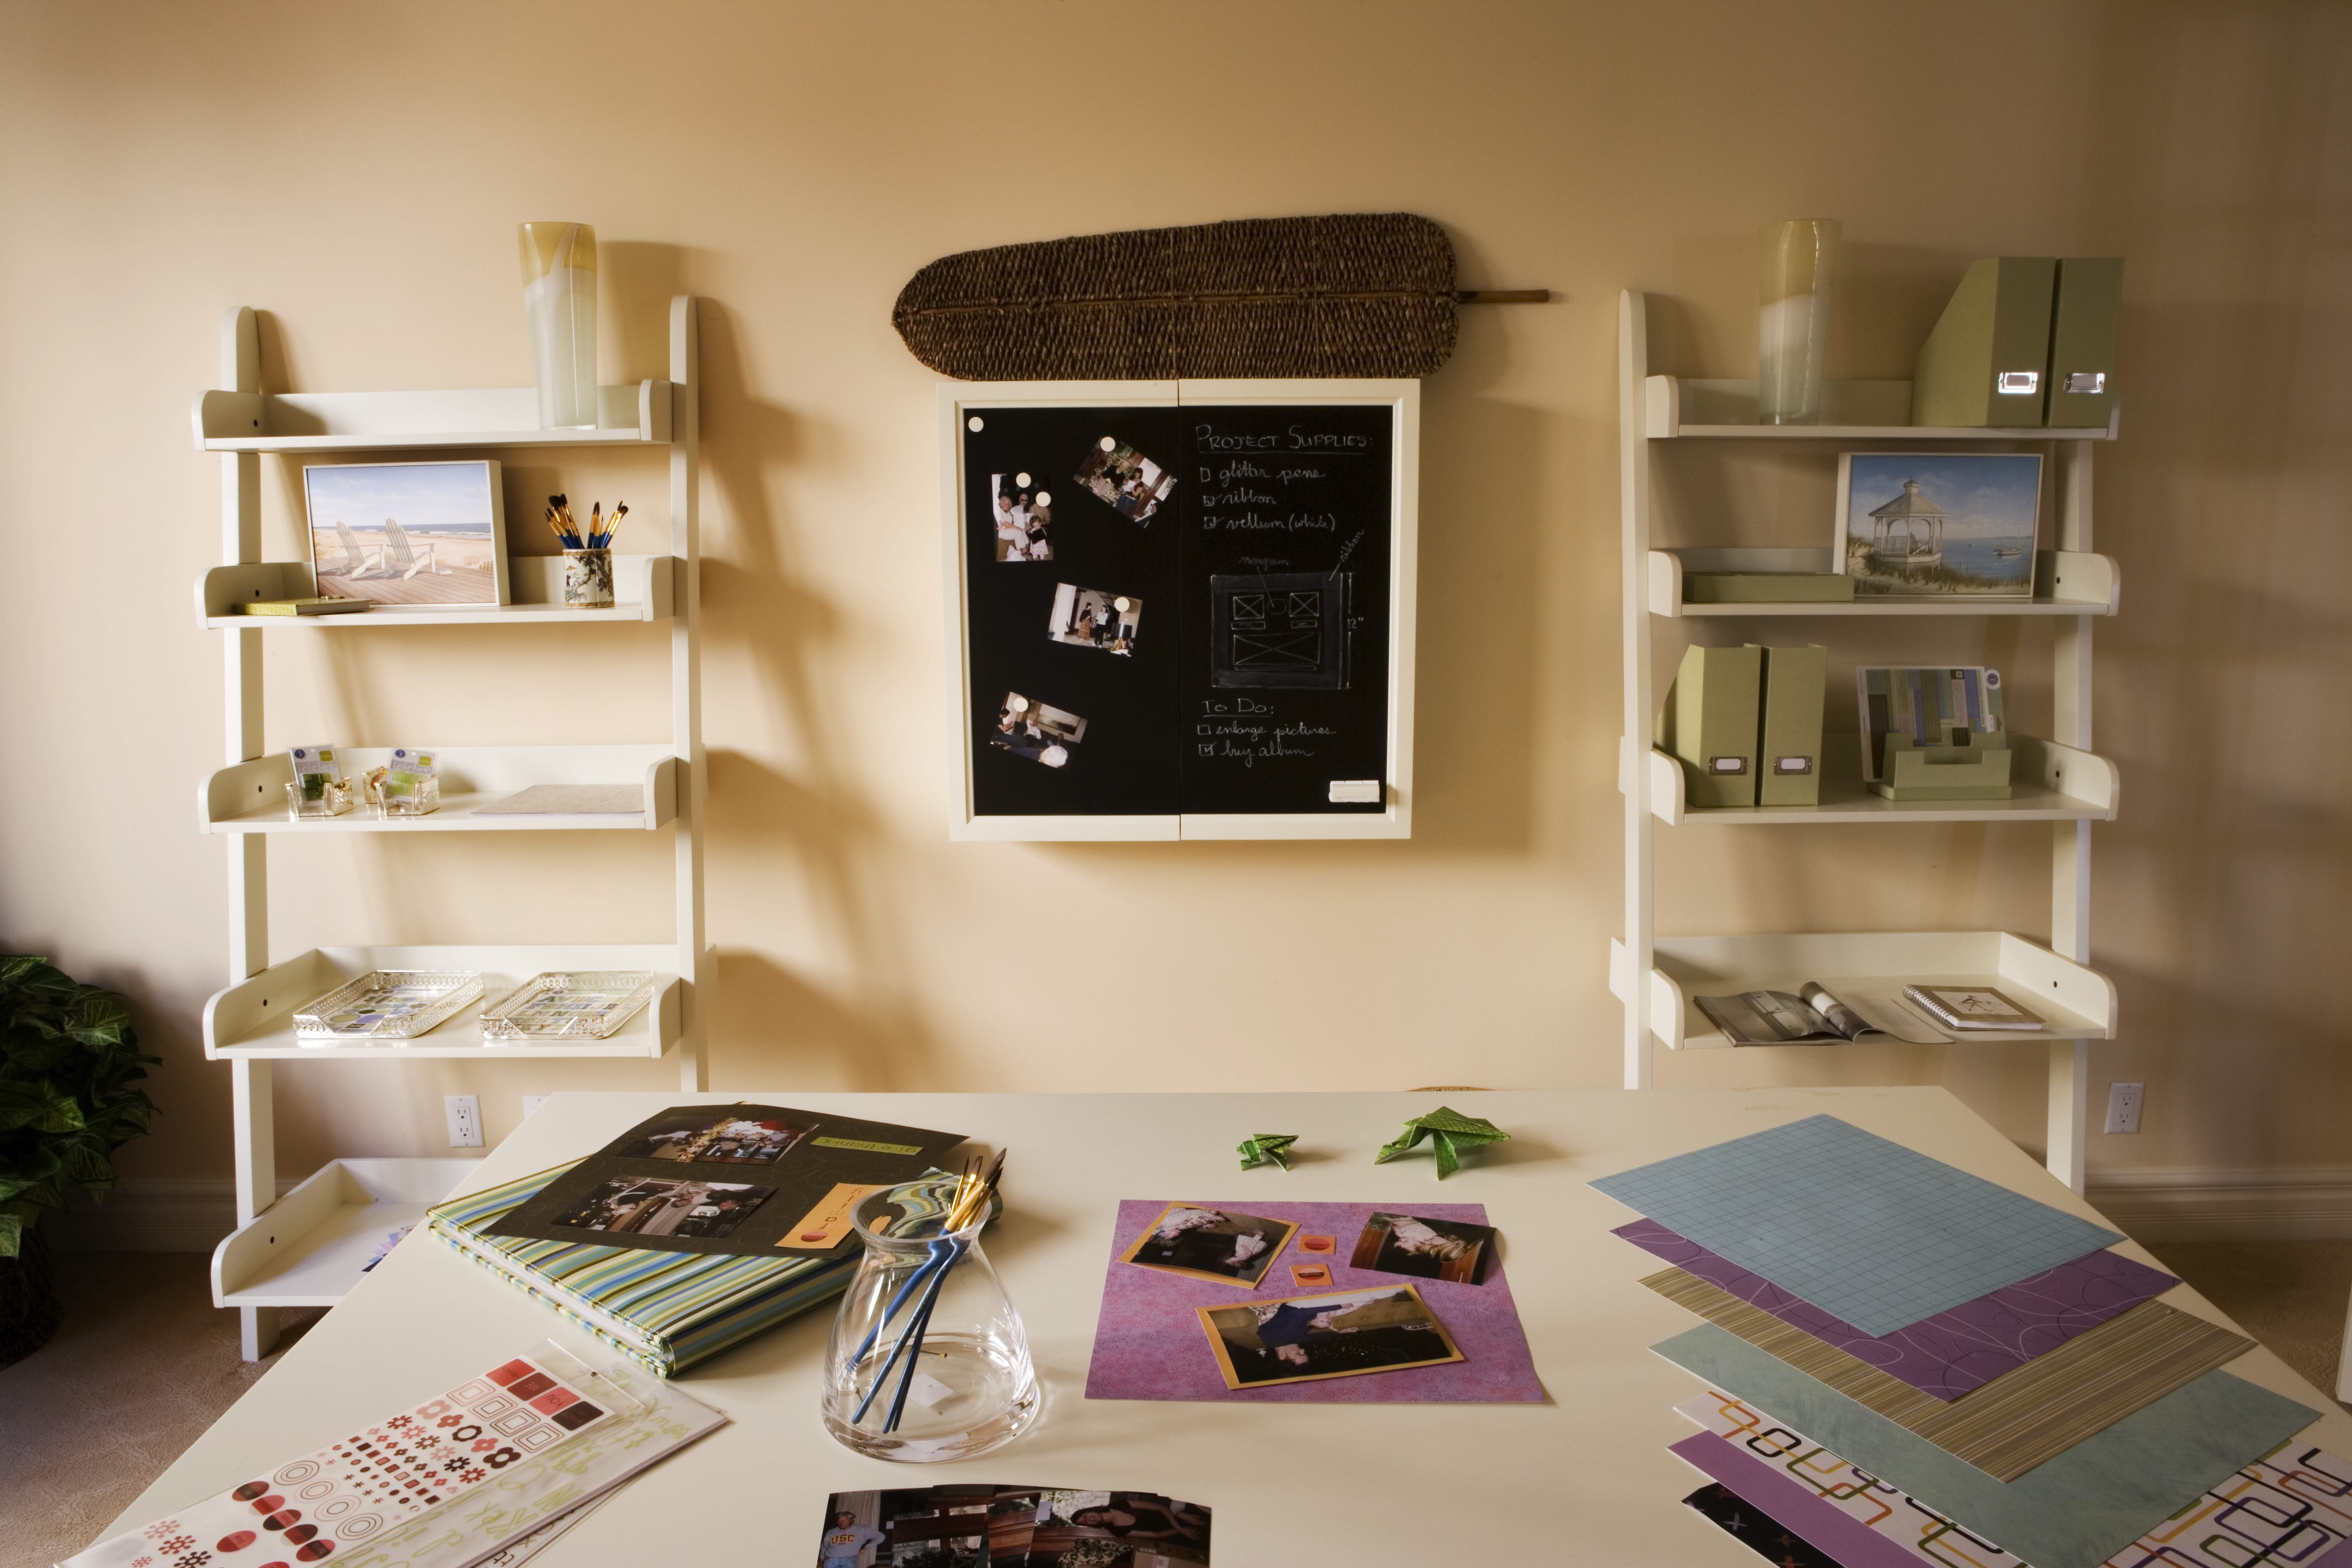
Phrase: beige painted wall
{"type": "Point", "coordinates": [355, 171]}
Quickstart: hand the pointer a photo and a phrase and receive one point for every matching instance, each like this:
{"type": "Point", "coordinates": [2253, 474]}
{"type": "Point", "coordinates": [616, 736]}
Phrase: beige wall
{"type": "Point", "coordinates": [355, 173]}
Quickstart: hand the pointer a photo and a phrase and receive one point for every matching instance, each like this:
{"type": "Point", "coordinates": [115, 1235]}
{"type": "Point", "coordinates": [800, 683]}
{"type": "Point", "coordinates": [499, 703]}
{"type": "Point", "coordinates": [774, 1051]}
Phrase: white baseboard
{"type": "Point", "coordinates": [2310, 1202]}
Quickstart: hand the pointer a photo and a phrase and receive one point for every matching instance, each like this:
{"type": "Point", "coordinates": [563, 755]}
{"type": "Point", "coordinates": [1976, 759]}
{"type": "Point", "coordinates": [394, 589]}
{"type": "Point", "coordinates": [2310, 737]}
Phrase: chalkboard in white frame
{"type": "Point", "coordinates": [1180, 609]}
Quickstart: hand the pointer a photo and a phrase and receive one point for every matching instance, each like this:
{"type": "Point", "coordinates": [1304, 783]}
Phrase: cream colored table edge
{"type": "Point", "coordinates": [1585, 1478]}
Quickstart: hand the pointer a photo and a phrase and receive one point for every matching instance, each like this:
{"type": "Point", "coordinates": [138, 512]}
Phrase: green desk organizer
{"type": "Point", "coordinates": [1976, 771]}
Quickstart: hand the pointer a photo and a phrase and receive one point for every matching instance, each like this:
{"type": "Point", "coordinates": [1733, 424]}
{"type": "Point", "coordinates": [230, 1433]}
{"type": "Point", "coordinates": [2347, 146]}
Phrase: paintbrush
{"type": "Point", "coordinates": [612, 523]}
{"type": "Point", "coordinates": [968, 1205]}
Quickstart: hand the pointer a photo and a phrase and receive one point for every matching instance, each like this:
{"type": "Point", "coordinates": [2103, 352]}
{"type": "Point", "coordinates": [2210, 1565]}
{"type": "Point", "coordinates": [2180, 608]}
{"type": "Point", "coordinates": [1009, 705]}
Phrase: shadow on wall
{"type": "Point", "coordinates": [830, 834]}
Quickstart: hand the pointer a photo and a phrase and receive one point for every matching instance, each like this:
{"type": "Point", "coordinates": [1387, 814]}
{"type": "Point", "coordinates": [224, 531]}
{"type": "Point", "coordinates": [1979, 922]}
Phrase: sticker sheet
{"type": "Point", "coordinates": [1872, 1232]}
{"type": "Point", "coordinates": [416, 1462]}
{"type": "Point", "coordinates": [2292, 1506]}
{"type": "Point", "coordinates": [1946, 1355]}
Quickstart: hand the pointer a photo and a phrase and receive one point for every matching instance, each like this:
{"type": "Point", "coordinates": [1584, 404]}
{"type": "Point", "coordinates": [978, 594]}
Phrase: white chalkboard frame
{"type": "Point", "coordinates": [959, 399]}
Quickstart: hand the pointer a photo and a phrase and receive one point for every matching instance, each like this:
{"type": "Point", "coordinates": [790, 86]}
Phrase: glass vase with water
{"type": "Point", "coordinates": [928, 1360]}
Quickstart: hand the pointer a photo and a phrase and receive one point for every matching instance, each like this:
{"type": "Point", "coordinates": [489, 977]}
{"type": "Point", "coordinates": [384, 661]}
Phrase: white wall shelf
{"type": "Point", "coordinates": [644, 589]}
{"type": "Point", "coordinates": [314, 1243]}
{"type": "Point", "coordinates": [254, 1018]}
{"type": "Point", "coordinates": [2066, 583]}
{"type": "Point", "coordinates": [1676, 407]}
{"type": "Point", "coordinates": [250, 798]}
{"type": "Point", "coordinates": [2051, 783]}
{"type": "Point", "coordinates": [2060, 782]}
{"type": "Point", "coordinates": [325, 1228]}
{"type": "Point", "coordinates": [636, 415]}
{"type": "Point", "coordinates": [1868, 970]}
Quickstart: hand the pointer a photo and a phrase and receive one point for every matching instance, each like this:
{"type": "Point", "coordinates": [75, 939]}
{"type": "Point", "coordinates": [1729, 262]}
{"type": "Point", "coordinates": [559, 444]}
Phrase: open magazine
{"type": "Point", "coordinates": [1813, 1016]}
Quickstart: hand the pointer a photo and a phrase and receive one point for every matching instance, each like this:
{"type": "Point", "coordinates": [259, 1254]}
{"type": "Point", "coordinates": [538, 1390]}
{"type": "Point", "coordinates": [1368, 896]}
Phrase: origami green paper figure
{"type": "Point", "coordinates": [1259, 1147]}
{"type": "Point", "coordinates": [1450, 1131]}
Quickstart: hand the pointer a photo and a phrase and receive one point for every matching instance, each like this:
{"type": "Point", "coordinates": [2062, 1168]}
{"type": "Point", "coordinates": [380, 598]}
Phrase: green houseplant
{"type": "Point", "coordinates": [69, 1066]}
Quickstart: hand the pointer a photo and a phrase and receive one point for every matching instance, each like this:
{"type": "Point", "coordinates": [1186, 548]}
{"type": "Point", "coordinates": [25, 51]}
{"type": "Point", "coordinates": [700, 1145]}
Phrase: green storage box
{"type": "Point", "coordinates": [1766, 587]}
{"type": "Point", "coordinates": [1978, 770]}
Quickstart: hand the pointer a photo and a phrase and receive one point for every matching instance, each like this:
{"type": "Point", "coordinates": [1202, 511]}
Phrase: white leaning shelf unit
{"type": "Point", "coordinates": [2059, 778]}
{"type": "Point", "coordinates": [307, 1247]}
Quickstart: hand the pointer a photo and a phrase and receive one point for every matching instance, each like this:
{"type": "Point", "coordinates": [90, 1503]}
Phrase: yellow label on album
{"type": "Point", "coordinates": [824, 1227]}
{"type": "Point", "coordinates": [870, 1148]}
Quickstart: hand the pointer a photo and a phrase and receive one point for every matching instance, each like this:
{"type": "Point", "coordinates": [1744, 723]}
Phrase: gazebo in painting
{"type": "Point", "coordinates": [1907, 531]}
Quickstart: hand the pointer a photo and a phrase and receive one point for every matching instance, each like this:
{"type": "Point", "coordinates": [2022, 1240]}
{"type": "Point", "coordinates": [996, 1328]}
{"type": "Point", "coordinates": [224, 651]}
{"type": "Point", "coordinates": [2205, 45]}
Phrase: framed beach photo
{"type": "Point", "coordinates": [408, 535]}
{"type": "Point", "coordinates": [1306, 1339]}
{"type": "Point", "coordinates": [1939, 524]}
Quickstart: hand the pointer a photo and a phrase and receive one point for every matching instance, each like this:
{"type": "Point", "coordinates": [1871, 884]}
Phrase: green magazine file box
{"type": "Point", "coordinates": [2083, 341]}
{"type": "Point", "coordinates": [1789, 760]}
{"type": "Point", "coordinates": [1987, 360]}
{"type": "Point", "coordinates": [1710, 722]}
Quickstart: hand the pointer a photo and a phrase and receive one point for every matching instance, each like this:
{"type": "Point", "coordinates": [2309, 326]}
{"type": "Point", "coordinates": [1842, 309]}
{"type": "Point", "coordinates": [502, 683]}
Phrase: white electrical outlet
{"type": "Point", "coordinates": [465, 1112]}
{"type": "Point", "coordinates": [530, 1104]}
{"type": "Point", "coordinates": [2123, 1106]}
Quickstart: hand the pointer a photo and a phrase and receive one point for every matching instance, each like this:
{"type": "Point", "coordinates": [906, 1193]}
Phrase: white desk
{"type": "Point", "coordinates": [1583, 1479]}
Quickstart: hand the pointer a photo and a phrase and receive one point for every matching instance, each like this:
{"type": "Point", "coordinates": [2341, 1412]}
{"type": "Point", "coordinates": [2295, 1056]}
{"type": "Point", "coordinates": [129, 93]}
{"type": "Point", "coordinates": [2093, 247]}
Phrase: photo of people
{"type": "Point", "coordinates": [1034, 731]}
{"type": "Point", "coordinates": [1230, 1248]}
{"type": "Point", "coordinates": [1099, 1529]}
{"type": "Point", "coordinates": [1126, 481]}
{"type": "Point", "coordinates": [730, 1141]}
{"type": "Point", "coordinates": [1021, 516]}
{"type": "Point", "coordinates": [1090, 617]}
{"type": "Point", "coordinates": [651, 1206]}
{"type": "Point", "coordinates": [1308, 1338]}
{"type": "Point", "coordinates": [1426, 1248]}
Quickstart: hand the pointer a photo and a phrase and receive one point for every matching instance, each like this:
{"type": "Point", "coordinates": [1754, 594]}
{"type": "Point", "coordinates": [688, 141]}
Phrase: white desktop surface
{"type": "Point", "coordinates": [1585, 1478]}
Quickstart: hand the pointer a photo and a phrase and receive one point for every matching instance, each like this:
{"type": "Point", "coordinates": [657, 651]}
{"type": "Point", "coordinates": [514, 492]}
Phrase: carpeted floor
{"type": "Point", "coordinates": [144, 1343]}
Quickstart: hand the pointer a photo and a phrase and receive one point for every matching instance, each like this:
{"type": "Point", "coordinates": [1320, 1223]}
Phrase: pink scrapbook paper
{"type": "Point", "coordinates": [1150, 1342]}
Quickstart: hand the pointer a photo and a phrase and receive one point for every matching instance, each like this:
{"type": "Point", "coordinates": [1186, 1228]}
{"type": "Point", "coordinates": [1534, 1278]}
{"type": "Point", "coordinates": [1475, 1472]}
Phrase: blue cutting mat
{"type": "Point", "coordinates": [1864, 1229]}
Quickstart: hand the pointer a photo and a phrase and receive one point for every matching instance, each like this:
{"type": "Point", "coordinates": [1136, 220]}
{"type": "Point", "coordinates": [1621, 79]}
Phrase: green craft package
{"type": "Point", "coordinates": [1988, 360]}
{"type": "Point", "coordinates": [1709, 723]}
{"type": "Point", "coordinates": [1789, 762]}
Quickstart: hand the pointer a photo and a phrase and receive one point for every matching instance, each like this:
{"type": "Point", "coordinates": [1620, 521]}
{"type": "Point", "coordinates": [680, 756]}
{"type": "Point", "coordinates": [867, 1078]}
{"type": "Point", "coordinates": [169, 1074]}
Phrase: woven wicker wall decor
{"type": "Point", "coordinates": [1360, 294]}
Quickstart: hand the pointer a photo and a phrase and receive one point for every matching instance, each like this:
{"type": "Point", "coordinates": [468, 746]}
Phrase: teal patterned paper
{"type": "Point", "coordinates": [2073, 1511]}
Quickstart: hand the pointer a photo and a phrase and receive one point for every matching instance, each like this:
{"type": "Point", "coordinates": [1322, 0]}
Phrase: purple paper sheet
{"type": "Point", "coordinates": [1149, 1344]}
{"type": "Point", "coordinates": [1955, 1351]}
{"type": "Point", "coordinates": [1823, 1525]}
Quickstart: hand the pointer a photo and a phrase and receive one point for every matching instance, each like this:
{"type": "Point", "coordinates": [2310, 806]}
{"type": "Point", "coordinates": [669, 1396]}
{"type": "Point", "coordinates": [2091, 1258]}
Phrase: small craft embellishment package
{"type": "Point", "coordinates": [410, 1463]}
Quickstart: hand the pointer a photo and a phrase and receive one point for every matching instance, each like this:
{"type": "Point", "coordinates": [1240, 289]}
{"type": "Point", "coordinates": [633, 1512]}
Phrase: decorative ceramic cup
{"type": "Point", "coordinates": [588, 579]}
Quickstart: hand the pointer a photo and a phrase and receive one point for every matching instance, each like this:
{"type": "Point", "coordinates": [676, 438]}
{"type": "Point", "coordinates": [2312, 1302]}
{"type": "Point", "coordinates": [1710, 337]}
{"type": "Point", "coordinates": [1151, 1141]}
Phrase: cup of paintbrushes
{"type": "Point", "coordinates": [588, 579]}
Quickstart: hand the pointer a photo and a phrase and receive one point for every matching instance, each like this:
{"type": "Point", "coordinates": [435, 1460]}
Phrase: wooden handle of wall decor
{"type": "Point", "coordinates": [1502, 296]}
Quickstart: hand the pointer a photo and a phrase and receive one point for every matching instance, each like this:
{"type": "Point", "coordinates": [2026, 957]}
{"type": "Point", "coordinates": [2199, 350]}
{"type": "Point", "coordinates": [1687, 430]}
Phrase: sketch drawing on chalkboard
{"type": "Point", "coordinates": [1089, 617]}
{"type": "Point", "coordinates": [1037, 732]}
{"type": "Point", "coordinates": [1021, 516]}
{"type": "Point", "coordinates": [1286, 630]}
{"type": "Point", "coordinates": [1126, 481]}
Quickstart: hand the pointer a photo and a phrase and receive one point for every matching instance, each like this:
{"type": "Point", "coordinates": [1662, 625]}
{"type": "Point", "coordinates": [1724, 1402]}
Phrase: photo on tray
{"type": "Point", "coordinates": [1034, 730]}
{"type": "Point", "coordinates": [725, 1140]}
{"type": "Point", "coordinates": [1113, 1530]}
{"type": "Point", "coordinates": [1305, 1339]}
{"type": "Point", "coordinates": [1124, 480]}
{"type": "Point", "coordinates": [1023, 517]}
{"type": "Point", "coordinates": [1224, 1245]}
{"type": "Point", "coordinates": [650, 1205]}
{"type": "Point", "coordinates": [1091, 618]}
{"type": "Point", "coordinates": [1426, 1248]}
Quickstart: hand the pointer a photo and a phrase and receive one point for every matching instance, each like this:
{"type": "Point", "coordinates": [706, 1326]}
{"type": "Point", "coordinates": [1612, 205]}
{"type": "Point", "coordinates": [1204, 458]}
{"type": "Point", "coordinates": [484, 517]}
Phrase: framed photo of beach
{"type": "Point", "coordinates": [1939, 524]}
{"type": "Point", "coordinates": [408, 536]}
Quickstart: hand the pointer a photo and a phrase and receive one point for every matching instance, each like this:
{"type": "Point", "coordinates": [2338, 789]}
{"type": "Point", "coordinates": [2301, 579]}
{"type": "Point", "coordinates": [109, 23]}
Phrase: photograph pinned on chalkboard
{"type": "Point", "coordinates": [1279, 630]}
{"type": "Point", "coordinates": [1090, 617]}
{"type": "Point", "coordinates": [1023, 517]}
{"type": "Point", "coordinates": [1124, 480]}
{"type": "Point", "coordinates": [1032, 729]}
{"type": "Point", "coordinates": [1939, 524]}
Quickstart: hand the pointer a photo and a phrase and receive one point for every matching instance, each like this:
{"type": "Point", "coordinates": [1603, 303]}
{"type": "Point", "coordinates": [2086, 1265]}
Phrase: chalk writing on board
{"type": "Point", "coordinates": [1247, 732]}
